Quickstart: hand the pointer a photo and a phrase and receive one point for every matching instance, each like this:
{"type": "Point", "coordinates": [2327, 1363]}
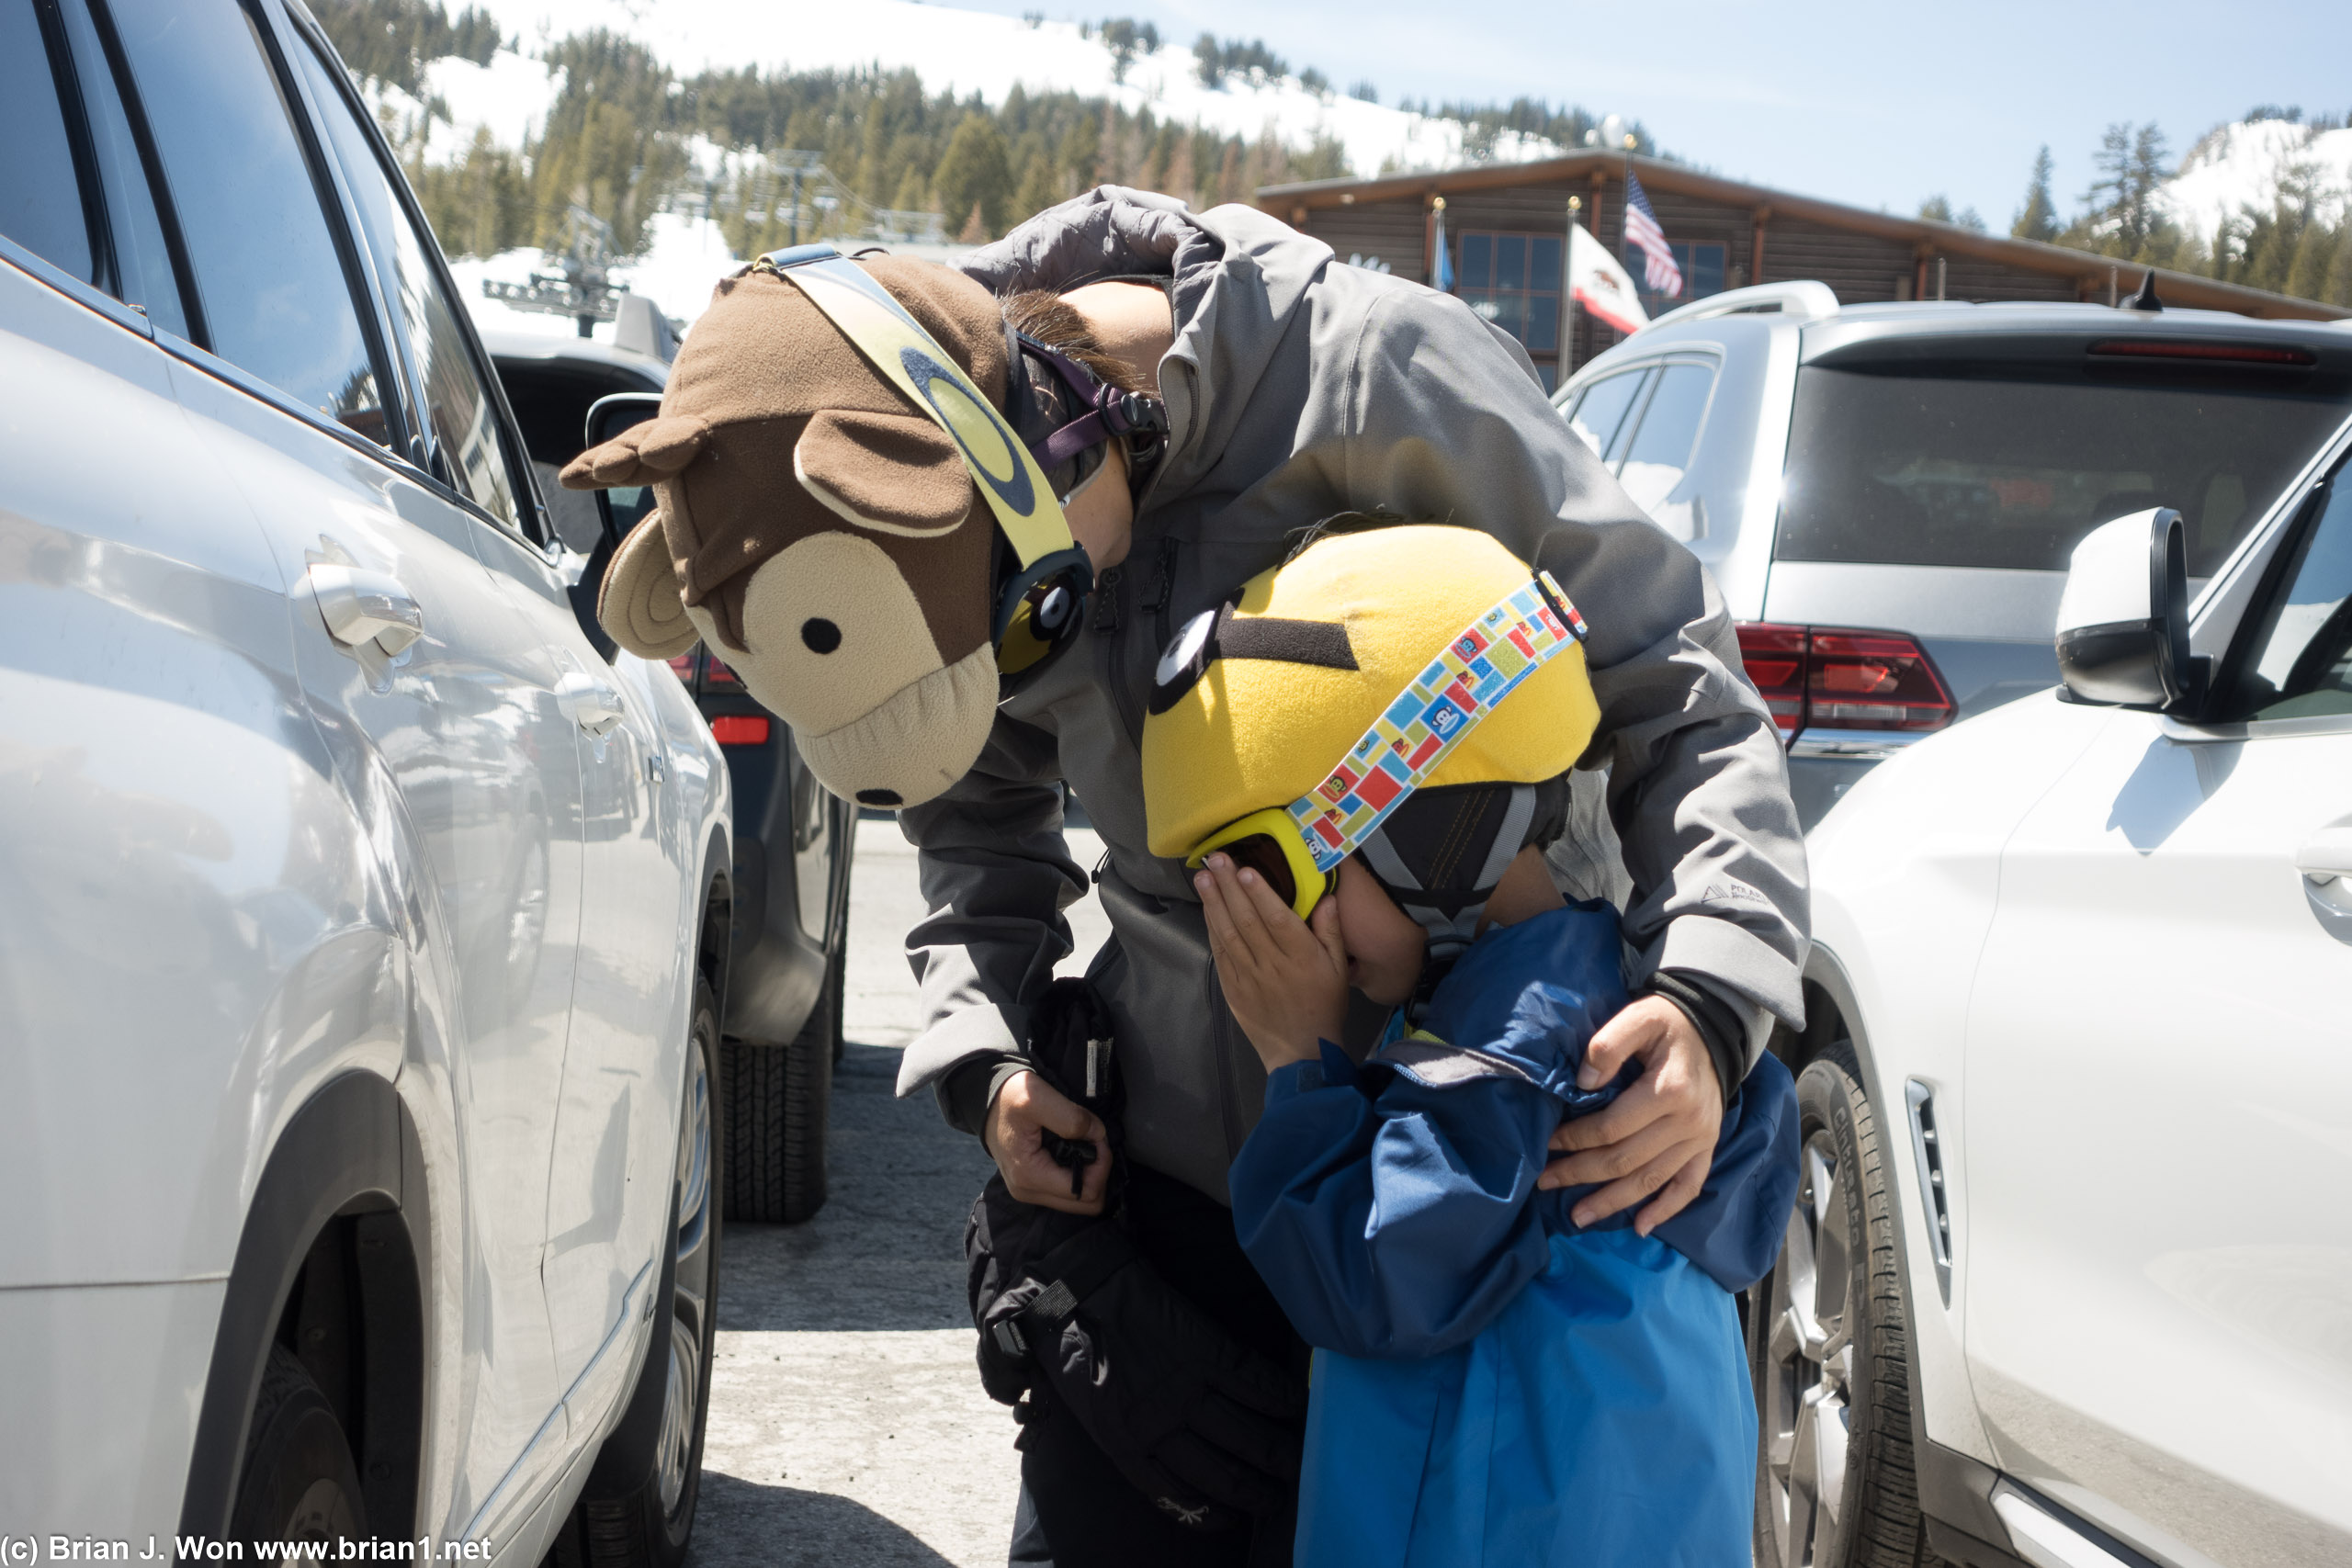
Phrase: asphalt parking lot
{"type": "Point", "coordinates": [847, 1425]}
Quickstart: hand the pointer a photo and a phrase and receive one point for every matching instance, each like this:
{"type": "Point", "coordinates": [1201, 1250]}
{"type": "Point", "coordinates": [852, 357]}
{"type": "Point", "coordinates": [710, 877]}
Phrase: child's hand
{"type": "Point", "coordinates": [1285, 981]}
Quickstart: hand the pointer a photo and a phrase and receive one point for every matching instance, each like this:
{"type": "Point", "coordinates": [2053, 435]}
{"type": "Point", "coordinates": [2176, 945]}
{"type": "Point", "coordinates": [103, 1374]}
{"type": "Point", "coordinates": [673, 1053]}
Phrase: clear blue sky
{"type": "Point", "coordinates": [1877, 105]}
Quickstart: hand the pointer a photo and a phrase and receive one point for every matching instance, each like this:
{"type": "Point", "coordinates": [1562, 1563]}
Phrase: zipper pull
{"type": "Point", "coordinates": [1163, 582]}
{"type": "Point", "coordinates": [1106, 601]}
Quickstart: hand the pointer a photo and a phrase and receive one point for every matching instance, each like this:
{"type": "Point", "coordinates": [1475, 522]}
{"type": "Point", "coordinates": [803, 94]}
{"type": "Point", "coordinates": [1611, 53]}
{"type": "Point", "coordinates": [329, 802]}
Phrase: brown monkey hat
{"type": "Point", "coordinates": [818, 532]}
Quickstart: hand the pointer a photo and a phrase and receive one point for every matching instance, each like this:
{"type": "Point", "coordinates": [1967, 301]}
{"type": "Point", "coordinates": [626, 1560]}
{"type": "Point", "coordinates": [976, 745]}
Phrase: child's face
{"type": "Point", "coordinates": [1385, 947]}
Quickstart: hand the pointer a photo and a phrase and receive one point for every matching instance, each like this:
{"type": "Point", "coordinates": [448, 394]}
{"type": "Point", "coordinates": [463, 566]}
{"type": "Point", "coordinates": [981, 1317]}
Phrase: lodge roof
{"type": "Point", "coordinates": [1927, 236]}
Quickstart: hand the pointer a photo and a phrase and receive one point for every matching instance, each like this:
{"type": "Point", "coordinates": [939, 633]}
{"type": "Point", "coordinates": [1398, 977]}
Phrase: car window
{"type": "Point", "coordinates": [142, 259]}
{"type": "Point", "coordinates": [2298, 659]}
{"type": "Point", "coordinates": [1659, 452]}
{"type": "Point", "coordinates": [40, 197]}
{"type": "Point", "coordinates": [467, 453]}
{"type": "Point", "coordinates": [2000, 470]}
{"type": "Point", "coordinates": [1599, 413]}
{"type": "Point", "coordinates": [276, 298]}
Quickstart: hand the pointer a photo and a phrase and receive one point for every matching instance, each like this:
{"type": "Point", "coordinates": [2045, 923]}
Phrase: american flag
{"type": "Point", "coordinates": [1641, 228]}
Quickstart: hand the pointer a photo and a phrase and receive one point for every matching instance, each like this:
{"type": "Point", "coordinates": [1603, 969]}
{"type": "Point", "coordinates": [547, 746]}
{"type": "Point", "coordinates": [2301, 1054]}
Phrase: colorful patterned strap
{"type": "Point", "coordinates": [896, 343]}
{"type": "Point", "coordinates": [1428, 719]}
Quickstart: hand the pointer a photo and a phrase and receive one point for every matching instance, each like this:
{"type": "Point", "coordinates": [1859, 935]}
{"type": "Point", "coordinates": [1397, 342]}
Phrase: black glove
{"type": "Point", "coordinates": [1070, 1313]}
{"type": "Point", "coordinates": [1003, 1242]}
{"type": "Point", "coordinates": [1208, 1430]}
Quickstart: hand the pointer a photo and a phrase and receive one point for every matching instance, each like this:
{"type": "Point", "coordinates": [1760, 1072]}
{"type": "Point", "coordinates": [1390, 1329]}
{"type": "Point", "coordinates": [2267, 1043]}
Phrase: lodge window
{"type": "Point", "coordinates": [1702, 274]}
{"type": "Point", "coordinates": [1513, 281]}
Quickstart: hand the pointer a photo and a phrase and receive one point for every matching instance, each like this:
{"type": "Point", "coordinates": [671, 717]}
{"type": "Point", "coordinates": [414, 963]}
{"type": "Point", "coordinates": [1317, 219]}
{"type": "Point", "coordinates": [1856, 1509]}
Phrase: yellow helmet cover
{"type": "Point", "coordinates": [1255, 705]}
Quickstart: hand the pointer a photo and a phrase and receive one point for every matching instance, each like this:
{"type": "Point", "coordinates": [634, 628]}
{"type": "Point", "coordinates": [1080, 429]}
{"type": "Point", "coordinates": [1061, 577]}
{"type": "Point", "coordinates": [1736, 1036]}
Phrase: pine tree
{"type": "Point", "coordinates": [2038, 219]}
{"type": "Point", "coordinates": [975, 175]}
{"type": "Point", "coordinates": [1041, 182]}
{"type": "Point", "coordinates": [1080, 154]}
{"type": "Point", "coordinates": [2122, 200]}
{"type": "Point", "coordinates": [913, 195]}
{"type": "Point", "coordinates": [2307, 273]}
{"type": "Point", "coordinates": [2339, 268]}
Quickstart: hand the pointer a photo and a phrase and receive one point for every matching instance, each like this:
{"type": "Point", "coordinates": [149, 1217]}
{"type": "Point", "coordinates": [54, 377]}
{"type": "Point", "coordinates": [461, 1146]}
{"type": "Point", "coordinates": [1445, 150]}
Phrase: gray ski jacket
{"type": "Point", "coordinates": [1297, 387]}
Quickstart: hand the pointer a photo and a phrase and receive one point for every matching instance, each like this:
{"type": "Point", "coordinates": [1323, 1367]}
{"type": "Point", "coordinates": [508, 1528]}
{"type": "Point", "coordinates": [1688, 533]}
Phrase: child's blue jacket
{"type": "Point", "coordinates": [1492, 1384]}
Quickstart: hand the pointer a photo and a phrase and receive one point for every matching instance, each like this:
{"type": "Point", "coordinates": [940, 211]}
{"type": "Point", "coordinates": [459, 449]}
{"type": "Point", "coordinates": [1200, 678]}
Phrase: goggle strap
{"type": "Point", "coordinates": [1026, 511]}
{"type": "Point", "coordinates": [1484, 663]}
{"type": "Point", "coordinates": [1113, 411]}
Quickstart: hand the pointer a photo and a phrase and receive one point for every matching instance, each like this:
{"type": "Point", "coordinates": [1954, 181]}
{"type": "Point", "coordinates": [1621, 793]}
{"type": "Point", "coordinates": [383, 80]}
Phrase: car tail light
{"type": "Point", "coordinates": [1840, 678]}
{"type": "Point", "coordinates": [1873, 681]}
{"type": "Point", "coordinates": [2184, 348]}
{"type": "Point", "coordinates": [1775, 658]}
{"type": "Point", "coordinates": [714, 674]}
{"type": "Point", "coordinates": [684, 668]}
{"type": "Point", "coordinates": [739, 730]}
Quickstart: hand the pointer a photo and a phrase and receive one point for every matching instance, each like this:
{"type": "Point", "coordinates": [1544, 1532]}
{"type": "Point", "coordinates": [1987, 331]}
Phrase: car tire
{"type": "Point", "coordinates": [638, 1507]}
{"type": "Point", "coordinates": [1829, 1337]}
{"type": "Point", "coordinates": [780, 1098]}
{"type": "Point", "coordinates": [299, 1483]}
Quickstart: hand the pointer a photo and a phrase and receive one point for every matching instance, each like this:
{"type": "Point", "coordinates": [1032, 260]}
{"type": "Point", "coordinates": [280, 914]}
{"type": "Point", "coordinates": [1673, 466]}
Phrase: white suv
{"type": "Point", "coordinates": [2070, 1280]}
{"type": "Point", "coordinates": [1886, 494]}
{"type": "Point", "coordinates": [362, 927]}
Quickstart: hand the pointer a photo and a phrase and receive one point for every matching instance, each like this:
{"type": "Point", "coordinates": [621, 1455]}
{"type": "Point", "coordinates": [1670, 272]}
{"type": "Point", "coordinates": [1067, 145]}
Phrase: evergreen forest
{"type": "Point", "coordinates": [2299, 242]}
{"type": "Point", "coordinates": [779, 155]}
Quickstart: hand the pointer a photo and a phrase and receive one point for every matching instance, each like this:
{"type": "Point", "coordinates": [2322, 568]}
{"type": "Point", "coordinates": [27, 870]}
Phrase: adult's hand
{"type": "Point", "coordinates": [1656, 1137]}
{"type": "Point", "coordinates": [1026, 1108]}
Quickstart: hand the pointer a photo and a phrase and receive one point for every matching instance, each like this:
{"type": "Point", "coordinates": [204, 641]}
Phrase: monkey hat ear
{"type": "Point", "coordinates": [639, 605]}
{"type": "Point", "coordinates": [640, 455]}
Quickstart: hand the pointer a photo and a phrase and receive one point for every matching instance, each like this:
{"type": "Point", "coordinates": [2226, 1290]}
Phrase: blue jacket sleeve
{"type": "Point", "coordinates": [1396, 1224]}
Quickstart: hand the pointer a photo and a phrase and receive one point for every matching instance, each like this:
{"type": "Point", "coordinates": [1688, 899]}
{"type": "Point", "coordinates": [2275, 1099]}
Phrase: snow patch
{"type": "Point", "coordinates": [509, 97]}
{"type": "Point", "coordinates": [972, 51]}
{"type": "Point", "coordinates": [2238, 166]}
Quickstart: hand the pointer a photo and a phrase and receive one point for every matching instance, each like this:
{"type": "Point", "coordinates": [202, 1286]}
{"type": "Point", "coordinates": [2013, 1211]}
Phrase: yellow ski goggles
{"type": "Point", "coordinates": [1041, 593]}
{"type": "Point", "coordinates": [1297, 848]}
{"type": "Point", "coordinates": [1268, 843]}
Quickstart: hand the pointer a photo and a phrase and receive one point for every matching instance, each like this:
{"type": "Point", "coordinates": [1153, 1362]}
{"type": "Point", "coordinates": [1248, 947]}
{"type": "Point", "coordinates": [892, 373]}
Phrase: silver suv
{"type": "Point", "coordinates": [363, 926]}
{"type": "Point", "coordinates": [1887, 494]}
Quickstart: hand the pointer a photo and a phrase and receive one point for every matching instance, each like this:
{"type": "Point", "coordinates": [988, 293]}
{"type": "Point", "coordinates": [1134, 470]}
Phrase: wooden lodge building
{"type": "Point", "coordinates": [1505, 226]}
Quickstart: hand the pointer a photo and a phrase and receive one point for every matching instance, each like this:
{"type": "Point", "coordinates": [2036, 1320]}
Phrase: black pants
{"type": "Point", "coordinates": [1077, 1510]}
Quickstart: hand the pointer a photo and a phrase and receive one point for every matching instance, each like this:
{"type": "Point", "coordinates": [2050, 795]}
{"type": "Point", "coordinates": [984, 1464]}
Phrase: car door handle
{"type": "Point", "coordinates": [362, 606]}
{"type": "Point", "coordinates": [2327, 856]}
{"type": "Point", "coordinates": [594, 705]}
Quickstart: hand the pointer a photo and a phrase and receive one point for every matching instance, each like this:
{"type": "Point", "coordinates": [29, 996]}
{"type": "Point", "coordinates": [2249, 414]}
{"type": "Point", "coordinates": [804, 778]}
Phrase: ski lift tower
{"type": "Point", "coordinates": [797, 166]}
{"type": "Point", "coordinates": [580, 282]}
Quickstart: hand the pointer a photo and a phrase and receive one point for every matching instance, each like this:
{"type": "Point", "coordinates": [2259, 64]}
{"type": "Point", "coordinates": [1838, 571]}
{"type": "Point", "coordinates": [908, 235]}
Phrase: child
{"type": "Point", "coordinates": [1363, 756]}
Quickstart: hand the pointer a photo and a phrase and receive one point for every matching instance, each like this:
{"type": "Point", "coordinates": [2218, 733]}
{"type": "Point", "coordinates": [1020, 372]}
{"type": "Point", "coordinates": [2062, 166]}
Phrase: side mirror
{"type": "Point", "coordinates": [2123, 619]}
{"type": "Point", "coordinates": [618, 512]}
{"type": "Point", "coordinates": [621, 510]}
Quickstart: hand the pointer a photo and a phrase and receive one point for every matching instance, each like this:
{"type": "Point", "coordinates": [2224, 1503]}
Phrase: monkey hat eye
{"type": "Point", "coordinates": [836, 644]}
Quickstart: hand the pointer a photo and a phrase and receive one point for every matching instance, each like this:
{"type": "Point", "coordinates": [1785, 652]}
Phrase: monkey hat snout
{"type": "Point", "coordinates": [819, 532]}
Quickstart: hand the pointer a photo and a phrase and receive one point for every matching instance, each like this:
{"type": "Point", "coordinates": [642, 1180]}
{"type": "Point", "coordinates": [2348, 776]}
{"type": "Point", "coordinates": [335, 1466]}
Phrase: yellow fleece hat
{"type": "Point", "coordinates": [1253, 706]}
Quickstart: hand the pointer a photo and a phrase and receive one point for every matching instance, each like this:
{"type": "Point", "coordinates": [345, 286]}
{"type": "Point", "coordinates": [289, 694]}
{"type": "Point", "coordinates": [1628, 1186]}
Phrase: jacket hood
{"type": "Point", "coordinates": [1237, 280]}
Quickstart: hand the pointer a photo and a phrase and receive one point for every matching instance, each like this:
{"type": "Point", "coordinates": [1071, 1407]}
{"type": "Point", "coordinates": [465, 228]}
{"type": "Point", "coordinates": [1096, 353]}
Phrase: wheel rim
{"type": "Point", "coordinates": [1809, 1363]}
{"type": "Point", "coordinates": [690, 1323]}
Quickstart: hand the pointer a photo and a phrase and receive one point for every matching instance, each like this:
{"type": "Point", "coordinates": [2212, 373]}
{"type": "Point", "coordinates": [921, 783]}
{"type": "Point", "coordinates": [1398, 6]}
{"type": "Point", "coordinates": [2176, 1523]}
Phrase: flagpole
{"type": "Point", "coordinates": [1569, 300]}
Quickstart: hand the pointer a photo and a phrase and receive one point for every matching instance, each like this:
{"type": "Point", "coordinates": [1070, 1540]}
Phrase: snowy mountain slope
{"type": "Point", "coordinates": [2238, 166]}
{"type": "Point", "coordinates": [962, 52]}
{"type": "Point", "coordinates": [951, 51]}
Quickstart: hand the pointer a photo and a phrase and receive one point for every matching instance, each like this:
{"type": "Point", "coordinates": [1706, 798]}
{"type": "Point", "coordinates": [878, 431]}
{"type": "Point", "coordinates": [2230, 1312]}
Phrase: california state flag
{"type": "Point", "coordinates": [1600, 285]}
